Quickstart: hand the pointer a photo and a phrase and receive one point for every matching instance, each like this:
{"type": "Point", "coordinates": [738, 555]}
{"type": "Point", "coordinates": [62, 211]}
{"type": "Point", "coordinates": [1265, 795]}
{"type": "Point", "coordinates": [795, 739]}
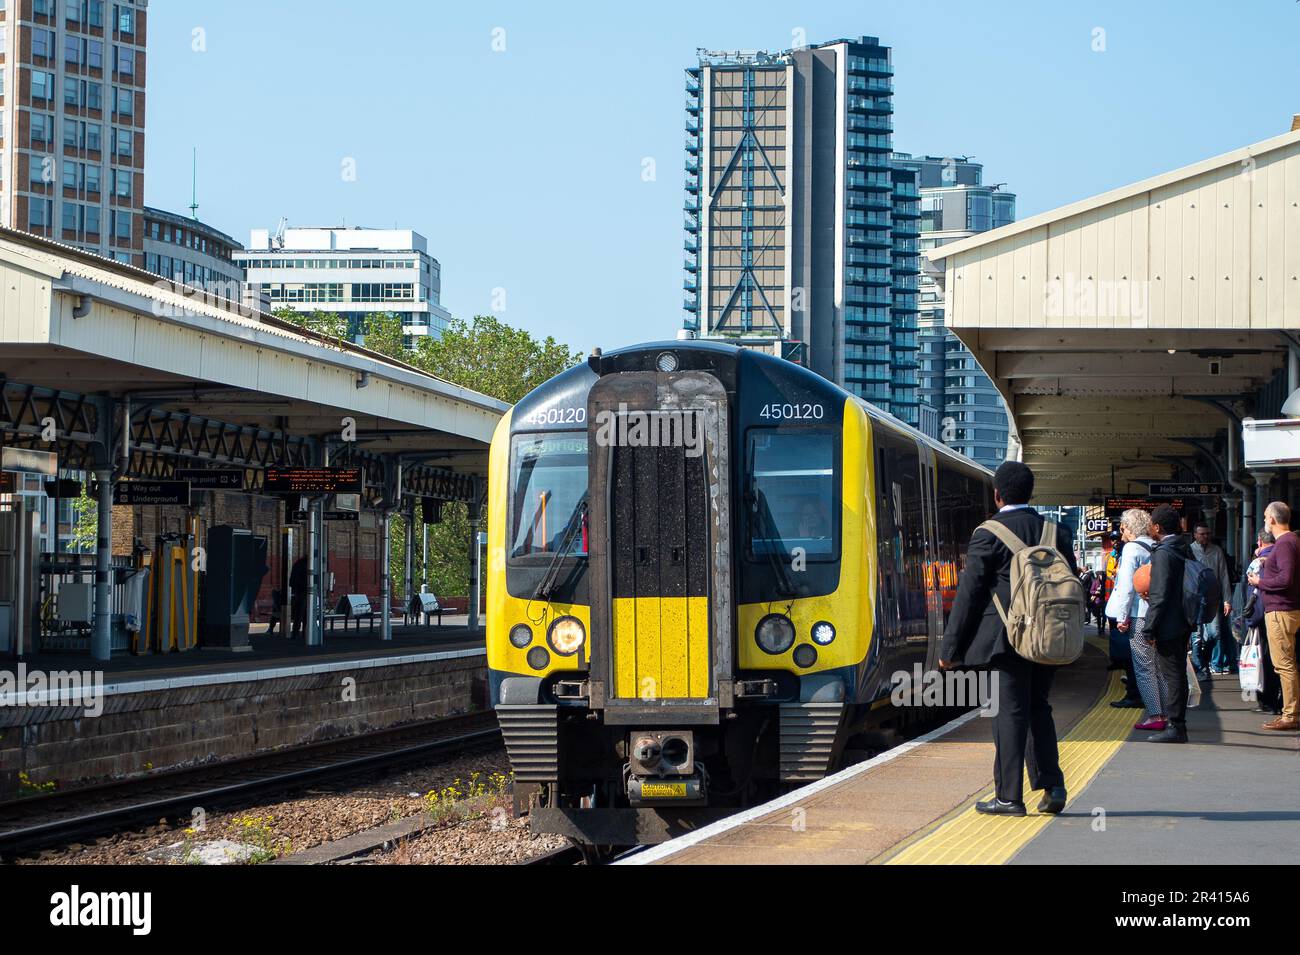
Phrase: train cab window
{"type": "Point", "coordinates": [791, 494]}
{"type": "Point", "coordinates": [548, 494]}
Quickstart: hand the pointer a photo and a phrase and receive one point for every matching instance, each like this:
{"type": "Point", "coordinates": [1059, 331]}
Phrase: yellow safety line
{"type": "Point", "coordinates": [975, 839]}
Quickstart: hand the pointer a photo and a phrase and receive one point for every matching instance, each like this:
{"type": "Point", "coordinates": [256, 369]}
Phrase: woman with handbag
{"type": "Point", "coordinates": [1128, 606]}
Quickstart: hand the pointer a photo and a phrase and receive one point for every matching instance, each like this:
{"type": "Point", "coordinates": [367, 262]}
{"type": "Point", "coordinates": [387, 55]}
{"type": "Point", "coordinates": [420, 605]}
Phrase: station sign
{"type": "Point", "coordinates": [29, 461]}
{"type": "Point", "coordinates": [1169, 488]}
{"type": "Point", "coordinates": [152, 492]}
{"type": "Point", "coordinates": [1115, 506]}
{"type": "Point", "coordinates": [212, 479]}
{"type": "Point", "coordinates": [314, 480]}
{"type": "Point", "coordinates": [63, 487]}
{"type": "Point", "coordinates": [301, 517]}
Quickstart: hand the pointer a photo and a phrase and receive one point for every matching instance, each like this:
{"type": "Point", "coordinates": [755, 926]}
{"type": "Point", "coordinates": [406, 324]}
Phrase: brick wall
{"type": "Point", "coordinates": [193, 725]}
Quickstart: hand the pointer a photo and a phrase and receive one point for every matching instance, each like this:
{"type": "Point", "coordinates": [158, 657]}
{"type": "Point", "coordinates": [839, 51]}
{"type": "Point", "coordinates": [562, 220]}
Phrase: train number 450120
{"type": "Point", "coordinates": [794, 411]}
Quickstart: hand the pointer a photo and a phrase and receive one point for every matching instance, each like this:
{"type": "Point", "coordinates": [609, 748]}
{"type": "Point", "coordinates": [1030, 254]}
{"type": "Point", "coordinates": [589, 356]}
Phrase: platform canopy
{"type": "Point", "coordinates": [1128, 332]}
{"type": "Point", "coordinates": [206, 379]}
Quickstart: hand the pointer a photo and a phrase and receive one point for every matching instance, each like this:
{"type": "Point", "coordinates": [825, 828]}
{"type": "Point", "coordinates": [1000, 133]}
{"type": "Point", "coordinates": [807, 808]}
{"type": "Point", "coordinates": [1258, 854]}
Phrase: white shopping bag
{"type": "Point", "coordinates": [1248, 664]}
{"type": "Point", "coordinates": [1193, 685]}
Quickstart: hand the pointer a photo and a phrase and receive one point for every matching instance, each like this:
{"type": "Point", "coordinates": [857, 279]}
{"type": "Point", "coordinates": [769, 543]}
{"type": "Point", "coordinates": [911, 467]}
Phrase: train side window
{"type": "Point", "coordinates": [548, 493]}
{"type": "Point", "coordinates": [791, 494]}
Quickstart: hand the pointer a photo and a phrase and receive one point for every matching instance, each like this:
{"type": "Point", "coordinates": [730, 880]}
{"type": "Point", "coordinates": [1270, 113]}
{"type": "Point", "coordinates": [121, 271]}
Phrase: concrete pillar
{"type": "Point", "coordinates": [314, 635]}
{"type": "Point", "coordinates": [475, 570]}
{"type": "Point", "coordinates": [408, 566]}
{"type": "Point", "coordinates": [385, 576]}
{"type": "Point", "coordinates": [101, 638]}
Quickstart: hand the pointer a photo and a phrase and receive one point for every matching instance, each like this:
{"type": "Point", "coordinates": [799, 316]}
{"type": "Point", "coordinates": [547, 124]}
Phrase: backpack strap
{"type": "Point", "coordinates": [1048, 538]}
{"type": "Point", "coordinates": [1005, 534]}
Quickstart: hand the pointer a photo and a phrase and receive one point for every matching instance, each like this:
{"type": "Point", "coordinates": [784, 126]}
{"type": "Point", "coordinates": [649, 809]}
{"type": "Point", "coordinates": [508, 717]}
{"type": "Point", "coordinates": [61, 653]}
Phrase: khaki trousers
{"type": "Point", "coordinates": [1281, 626]}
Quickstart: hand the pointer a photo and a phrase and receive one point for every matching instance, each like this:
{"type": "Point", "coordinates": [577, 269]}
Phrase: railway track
{"type": "Point", "coordinates": [87, 812]}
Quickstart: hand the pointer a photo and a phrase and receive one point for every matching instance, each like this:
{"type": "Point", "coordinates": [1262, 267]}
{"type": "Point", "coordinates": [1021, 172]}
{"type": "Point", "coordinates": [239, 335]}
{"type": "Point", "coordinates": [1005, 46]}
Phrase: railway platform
{"type": "Point", "coordinates": [133, 715]}
{"type": "Point", "coordinates": [1227, 796]}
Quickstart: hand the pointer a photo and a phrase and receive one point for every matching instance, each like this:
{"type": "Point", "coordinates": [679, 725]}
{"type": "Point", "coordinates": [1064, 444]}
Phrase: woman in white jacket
{"type": "Point", "coordinates": [1129, 609]}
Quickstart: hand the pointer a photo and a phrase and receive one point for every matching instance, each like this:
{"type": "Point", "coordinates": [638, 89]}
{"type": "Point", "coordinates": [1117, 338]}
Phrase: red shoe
{"type": "Point", "coordinates": [1155, 724]}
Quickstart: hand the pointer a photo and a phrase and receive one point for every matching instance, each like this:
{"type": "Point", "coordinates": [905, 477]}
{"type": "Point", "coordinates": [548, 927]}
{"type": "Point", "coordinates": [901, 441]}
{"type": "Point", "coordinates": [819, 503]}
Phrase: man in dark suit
{"type": "Point", "coordinates": [1166, 621]}
{"type": "Point", "coordinates": [1023, 731]}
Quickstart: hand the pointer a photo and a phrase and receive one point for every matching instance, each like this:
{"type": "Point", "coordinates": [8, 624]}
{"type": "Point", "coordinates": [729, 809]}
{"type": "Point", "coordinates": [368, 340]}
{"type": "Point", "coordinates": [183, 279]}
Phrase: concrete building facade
{"type": "Point", "coordinates": [72, 122]}
{"type": "Point", "coordinates": [959, 404]}
{"type": "Point", "coordinates": [354, 272]}
{"type": "Point", "coordinates": [791, 206]}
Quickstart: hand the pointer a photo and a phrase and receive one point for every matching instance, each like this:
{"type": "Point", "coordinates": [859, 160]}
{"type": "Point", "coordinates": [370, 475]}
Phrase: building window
{"type": "Point", "coordinates": [42, 43]}
{"type": "Point", "coordinates": [125, 63]}
{"type": "Point", "coordinates": [125, 20]}
{"type": "Point", "coordinates": [43, 8]}
{"type": "Point", "coordinates": [121, 224]}
{"type": "Point", "coordinates": [82, 93]}
{"type": "Point", "coordinates": [89, 12]}
{"type": "Point", "coordinates": [122, 183]}
{"type": "Point", "coordinates": [42, 129]}
{"type": "Point", "coordinates": [42, 85]}
{"type": "Point", "coordinates": [123, 102]}
{"type": "Point", "coordinates": [40, 169]}
{"type": "Point", "coordinates": [92, 180]}
{"type": "Point", "coordinates": [123, 141]}
{"type": "Point", "coordinates": [39, 213]}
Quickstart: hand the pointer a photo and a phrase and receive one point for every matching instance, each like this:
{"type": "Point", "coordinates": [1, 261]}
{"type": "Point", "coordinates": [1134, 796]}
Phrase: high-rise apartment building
{"type": "Point", "coordinates": [72, 119]}
{"type": "Point", "coordinates": [800, 234]}
{"type": "Point", "coordinates": [959, 404]}
{"type": "Point", "coordinates": [354, 272]}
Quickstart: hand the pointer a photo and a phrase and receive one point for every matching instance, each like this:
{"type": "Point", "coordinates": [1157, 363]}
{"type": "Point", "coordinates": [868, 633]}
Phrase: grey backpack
{"type": "Point", "coordinates": [1048, 606]}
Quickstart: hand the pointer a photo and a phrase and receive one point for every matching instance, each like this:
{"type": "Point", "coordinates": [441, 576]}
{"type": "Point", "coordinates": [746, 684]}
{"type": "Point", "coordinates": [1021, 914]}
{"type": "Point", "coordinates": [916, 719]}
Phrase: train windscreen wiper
{"type": "Point", "coordinates": [547, 584]}
{"type": "Point", "coordinates": [767, 526]}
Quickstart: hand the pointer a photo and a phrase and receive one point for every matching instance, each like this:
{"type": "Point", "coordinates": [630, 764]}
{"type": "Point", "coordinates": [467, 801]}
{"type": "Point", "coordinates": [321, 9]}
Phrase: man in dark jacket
{"type": "Point", "coordinates": [298, 595]}
{"type": "Point", "coordinates": [1167, 625]}
{"type": "Point", "coordinates": [1024, 733]}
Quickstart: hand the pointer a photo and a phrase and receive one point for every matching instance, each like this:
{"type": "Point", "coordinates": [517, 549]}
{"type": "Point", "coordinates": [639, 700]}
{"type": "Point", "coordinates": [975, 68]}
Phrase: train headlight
{"type": "Point", "coordinates": [521, 635]}
{"type": "Point", "coordinates": [823, 633]}
{"type": "Point", "coordinates": [774, 633]}
{"type": "Point", "coordinates": [666, 361]}
{"type": "Point", "coordinates": [566, 636]}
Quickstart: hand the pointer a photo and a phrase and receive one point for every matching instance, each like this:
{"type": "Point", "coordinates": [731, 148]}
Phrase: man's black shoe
{"type": "Point", "coordinates": [1170, 734]}
{"type": "Point", "coordinates": [1053, 800]}
{"type": "Point", "coordinates": [1126, 704]}
{"type": "Point", "coordinates": [996, 807]}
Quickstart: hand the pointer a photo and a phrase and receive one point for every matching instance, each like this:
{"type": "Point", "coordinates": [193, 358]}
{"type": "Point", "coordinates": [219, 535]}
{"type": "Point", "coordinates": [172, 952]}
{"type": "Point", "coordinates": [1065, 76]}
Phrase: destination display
{"type": "Point", "coordinates": [212, 479]}
{"type": "Point", "coordinates": [1162, 489]}
{"type": "Point", "coordinates": [314, 480]}
{"type": "Point", "coordinates": [1115, 506]}
{"type": "Point", "coordinates": [152, 492]}
{"type": "Point", "coordinates": [8, 482]}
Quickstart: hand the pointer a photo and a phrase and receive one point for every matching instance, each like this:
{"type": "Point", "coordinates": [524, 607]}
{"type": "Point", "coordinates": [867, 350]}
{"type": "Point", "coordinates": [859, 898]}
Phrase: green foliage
{"type": "Point", "coordinates": [383, 333]}
{"type": "Point", "coordinates": [330, 324]}
{"type": "Point", "coordinates": [85, 522]}
{"type": "Point", "coordinates": [490, 357]}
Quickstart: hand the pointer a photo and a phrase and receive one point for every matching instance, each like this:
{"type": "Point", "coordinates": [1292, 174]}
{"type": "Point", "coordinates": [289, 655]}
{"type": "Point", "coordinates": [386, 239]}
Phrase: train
{"type": "Point", "coordinates": [705, 565]}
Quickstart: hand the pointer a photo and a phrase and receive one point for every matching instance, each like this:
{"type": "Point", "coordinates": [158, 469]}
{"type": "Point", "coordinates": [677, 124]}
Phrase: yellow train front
{"type": "Point", "coordinates": [705, 564]}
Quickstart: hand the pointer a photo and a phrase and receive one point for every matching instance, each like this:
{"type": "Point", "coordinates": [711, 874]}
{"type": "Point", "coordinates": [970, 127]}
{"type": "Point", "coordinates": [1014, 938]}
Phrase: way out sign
{"type": "Point", "coordinates": [152, 492]}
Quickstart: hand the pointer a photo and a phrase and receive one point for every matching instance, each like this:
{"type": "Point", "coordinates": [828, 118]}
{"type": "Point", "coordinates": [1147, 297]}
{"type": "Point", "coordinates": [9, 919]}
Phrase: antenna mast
{"type": "Point", "coordinates": [194, 184]}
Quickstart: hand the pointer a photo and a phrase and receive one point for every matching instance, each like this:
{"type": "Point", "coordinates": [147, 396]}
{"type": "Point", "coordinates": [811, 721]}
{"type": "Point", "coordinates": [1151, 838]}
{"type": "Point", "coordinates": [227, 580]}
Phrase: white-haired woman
{"type": "Point", "coordinates": [1129, 609]}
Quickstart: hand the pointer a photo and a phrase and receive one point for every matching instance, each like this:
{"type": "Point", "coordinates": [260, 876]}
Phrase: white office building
{"type": "Point", "coordinates": [352, 271]}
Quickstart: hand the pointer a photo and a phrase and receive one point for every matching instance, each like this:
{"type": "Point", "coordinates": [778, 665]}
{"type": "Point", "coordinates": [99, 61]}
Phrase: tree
{"type": "Point", "coordinates": [329, 324]}
{"type": "Point", "coordinates": [490, 357]}
{"type": "Point", "coordinates": [383, 333]}
{"type": "Point", "coordinates": [85, 522]}
{"type": "Point", "coordinates": [494, 359]}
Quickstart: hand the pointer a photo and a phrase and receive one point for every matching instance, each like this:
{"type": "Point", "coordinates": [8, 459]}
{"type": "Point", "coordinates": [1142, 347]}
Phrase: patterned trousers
{"type": "Point", "coordinates": [1150, 678]}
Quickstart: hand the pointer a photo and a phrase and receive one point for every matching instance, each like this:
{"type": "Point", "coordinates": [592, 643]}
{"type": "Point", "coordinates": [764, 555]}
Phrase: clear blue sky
{"type": "Point", "coordinates": [524, 167]}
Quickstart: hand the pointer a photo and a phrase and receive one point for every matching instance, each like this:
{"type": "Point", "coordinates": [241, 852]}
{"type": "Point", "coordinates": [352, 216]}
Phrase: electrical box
{"type": "Point", "coordinates": [77, 602]}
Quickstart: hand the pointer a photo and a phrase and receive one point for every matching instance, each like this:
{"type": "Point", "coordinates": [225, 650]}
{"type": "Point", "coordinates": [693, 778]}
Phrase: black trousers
{"type": "Point", "coordinates": [1023, 730]}
{"type": "Point", "coordinates": [1171, 658]}
{"type": "Point", "coordinates": [299, 614]}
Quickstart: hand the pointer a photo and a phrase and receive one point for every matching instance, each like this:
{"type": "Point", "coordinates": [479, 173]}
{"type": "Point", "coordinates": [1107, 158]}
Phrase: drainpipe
{"type": "Point", "coordinates": [1247, 532]}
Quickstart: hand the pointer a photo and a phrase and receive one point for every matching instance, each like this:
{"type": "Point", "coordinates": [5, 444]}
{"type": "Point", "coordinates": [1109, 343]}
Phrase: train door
{"type": "Point", "coordinates": [902, 549]}
{"type": "Point", "coordinates": [932, 559]}
{"type": "Point", "coordinates": [661, 558]}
